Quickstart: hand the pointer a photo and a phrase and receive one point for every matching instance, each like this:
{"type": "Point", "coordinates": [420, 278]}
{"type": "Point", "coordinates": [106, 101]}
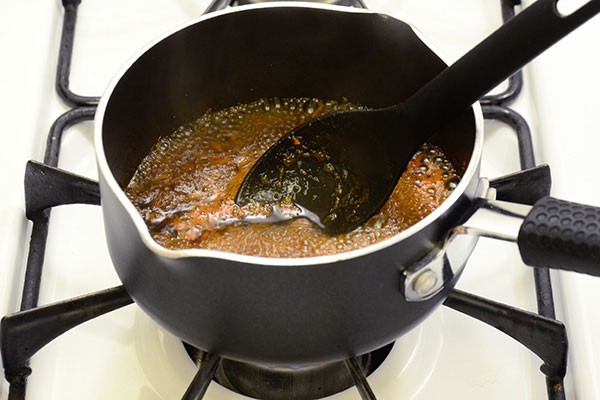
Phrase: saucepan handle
{"type": "Point", "coordinates": [562, 235]}
{"type": "Point", "coordinates": [550, 233]}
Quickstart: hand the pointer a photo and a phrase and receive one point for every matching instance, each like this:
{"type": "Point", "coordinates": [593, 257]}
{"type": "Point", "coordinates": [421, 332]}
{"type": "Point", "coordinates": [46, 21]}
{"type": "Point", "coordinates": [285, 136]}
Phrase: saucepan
{"type": "Point", "coordinates": [284, 311]}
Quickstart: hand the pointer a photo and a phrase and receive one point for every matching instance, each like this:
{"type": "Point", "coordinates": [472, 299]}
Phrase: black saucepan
{"type": "Point", "coordinates": [291, 311]}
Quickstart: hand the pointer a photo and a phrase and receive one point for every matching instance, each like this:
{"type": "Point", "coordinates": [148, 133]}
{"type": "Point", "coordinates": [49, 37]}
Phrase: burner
{"type": "Point", "coordinates": [169, 367]}
{"type": "Point", "coordinates": [289, 383]}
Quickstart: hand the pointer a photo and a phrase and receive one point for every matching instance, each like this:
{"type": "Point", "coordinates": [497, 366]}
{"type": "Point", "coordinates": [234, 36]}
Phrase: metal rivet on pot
{"type": "Point", "coordinates": [425, 282]}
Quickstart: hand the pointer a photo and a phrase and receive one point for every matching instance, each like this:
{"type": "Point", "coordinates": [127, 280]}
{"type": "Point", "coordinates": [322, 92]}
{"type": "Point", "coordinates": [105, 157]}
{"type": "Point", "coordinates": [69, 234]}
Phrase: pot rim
{"type": "Point", "coordinates": [155, 247]}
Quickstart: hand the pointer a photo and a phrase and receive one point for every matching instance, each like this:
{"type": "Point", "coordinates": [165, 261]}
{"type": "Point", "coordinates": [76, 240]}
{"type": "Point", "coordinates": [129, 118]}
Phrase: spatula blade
{"type": "Point", "coordinates": [327, 167]}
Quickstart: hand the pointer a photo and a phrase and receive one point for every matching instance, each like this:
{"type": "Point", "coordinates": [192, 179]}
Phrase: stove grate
{"type": "Point", "coordinates": [206, 372]}
{"type": "Point", "coordinates": [64, 59]}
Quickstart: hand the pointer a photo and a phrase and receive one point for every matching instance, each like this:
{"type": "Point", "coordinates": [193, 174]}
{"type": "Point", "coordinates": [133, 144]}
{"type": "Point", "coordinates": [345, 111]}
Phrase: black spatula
{"type": "Point", "coordinates": [342, 167]}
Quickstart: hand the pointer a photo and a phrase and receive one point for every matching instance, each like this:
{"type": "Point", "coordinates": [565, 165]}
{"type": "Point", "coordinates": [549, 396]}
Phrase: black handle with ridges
{"type": "Point", "coordinates": [561, 235]}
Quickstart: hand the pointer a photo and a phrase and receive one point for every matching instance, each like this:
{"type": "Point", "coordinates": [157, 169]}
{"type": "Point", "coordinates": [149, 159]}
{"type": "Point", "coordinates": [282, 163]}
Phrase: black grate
{"type": "Point", "coordinates": [27, 331]}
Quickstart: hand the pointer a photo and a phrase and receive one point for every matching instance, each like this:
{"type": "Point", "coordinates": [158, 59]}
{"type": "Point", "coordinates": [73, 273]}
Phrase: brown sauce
{"type": "Point", "coordinates": [187, 184]}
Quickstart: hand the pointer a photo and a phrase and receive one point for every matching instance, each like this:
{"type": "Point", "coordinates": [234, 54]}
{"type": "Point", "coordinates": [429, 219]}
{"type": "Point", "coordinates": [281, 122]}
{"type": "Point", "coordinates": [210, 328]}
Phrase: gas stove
{"type": "Point", "coordinates": [124, 354]}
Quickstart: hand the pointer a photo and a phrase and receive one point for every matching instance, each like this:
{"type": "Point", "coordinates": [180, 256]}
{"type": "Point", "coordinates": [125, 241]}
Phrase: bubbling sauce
{"type": "Point", "coordinates": [185, 188]}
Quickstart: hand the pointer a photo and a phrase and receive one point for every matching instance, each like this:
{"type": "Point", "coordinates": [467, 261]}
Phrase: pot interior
{"type": "Point", "coordinates": [252, 53]}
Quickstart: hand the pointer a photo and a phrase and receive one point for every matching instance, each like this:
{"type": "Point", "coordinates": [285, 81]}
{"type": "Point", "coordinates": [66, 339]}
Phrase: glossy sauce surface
{"type": "Point", "coordinates": [185, 187]}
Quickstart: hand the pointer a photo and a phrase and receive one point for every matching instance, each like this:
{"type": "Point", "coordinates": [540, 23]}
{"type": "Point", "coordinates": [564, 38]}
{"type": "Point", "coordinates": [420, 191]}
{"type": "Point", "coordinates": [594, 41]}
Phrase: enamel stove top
{"type": "Point", "coordinates": [124, 355]}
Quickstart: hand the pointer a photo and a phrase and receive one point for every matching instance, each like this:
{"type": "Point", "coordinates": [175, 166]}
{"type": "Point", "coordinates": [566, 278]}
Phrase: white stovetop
{"type": "Point", "coordinates": [449, 356]}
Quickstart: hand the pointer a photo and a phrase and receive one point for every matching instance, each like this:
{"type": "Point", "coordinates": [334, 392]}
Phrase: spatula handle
{"type": "Point", "coordinates": [503, 53]}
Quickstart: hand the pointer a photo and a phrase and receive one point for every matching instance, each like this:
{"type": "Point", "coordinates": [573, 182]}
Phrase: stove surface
{"type": "Point", "coordinates": [124, 355]}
